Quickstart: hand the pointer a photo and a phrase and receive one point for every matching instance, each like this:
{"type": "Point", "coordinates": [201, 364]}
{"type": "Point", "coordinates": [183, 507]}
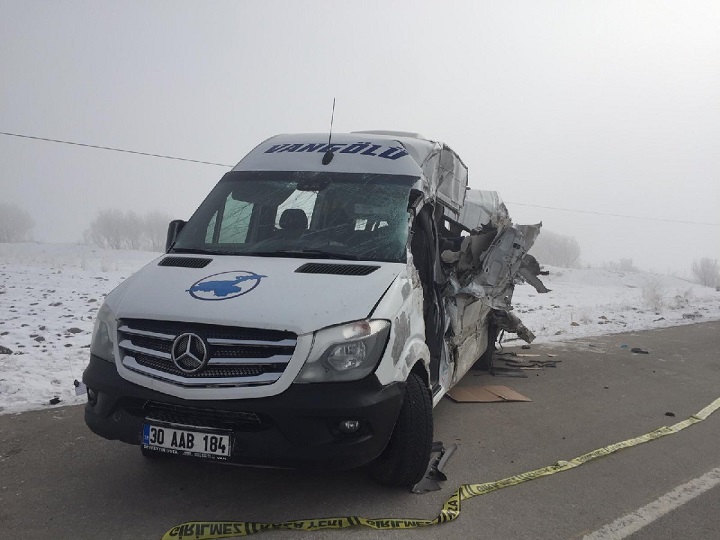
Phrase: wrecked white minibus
{"type": "Point", "coordinates": [313, 310]}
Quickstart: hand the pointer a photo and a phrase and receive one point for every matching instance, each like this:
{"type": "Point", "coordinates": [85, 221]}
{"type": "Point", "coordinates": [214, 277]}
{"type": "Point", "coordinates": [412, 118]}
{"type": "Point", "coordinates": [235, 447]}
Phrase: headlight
{"type": "Point", "coordinates": [102, 340]}
{"type": "Point", "coordinates": [345, 353]}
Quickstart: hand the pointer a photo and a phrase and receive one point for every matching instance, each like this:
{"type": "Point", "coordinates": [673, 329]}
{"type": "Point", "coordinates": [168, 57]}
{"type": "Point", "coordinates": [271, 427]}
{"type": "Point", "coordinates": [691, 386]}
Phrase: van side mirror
{"type": "Point", "coordinates": [173, 230]}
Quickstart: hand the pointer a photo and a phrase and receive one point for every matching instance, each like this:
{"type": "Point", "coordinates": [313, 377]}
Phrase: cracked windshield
{"type": "Point", "coordinates": [303, 214]}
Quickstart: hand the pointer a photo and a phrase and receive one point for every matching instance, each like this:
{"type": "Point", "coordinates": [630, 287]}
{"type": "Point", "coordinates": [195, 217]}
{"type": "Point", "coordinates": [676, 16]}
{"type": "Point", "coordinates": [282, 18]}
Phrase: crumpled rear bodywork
{"type": "Point", "coordinates": [481, 255]}
{"type": "Point", "coordinates": [481, 276]}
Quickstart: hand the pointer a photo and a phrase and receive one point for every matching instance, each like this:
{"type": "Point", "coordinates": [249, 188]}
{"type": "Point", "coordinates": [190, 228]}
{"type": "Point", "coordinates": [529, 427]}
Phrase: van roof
{"type": "Point", "coordinates": [353, 152]}
{"type": "Point", "coordinates": [399, 153]}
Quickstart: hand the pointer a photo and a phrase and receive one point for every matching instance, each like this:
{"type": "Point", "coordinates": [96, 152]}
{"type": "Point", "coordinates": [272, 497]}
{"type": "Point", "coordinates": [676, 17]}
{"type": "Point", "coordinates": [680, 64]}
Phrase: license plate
{"type": "Point", "coordinates": [186, 442]}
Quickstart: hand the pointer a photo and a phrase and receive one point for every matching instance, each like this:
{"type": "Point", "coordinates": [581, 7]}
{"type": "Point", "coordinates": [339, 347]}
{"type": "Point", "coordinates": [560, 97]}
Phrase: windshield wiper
{"type": "Point", "coordinates": [307, 253]}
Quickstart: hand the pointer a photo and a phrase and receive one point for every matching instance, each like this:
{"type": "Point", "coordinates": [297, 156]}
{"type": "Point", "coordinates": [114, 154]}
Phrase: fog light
{"type": "Point", "coordinates": [349, 426]}
{"type": "Point", "coordinates": [92, 396]}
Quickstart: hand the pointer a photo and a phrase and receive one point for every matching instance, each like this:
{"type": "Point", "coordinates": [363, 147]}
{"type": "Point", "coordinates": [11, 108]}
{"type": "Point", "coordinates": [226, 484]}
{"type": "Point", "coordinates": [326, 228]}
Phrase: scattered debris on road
{"type": "Point", "coordinates": [485, 394]}
{"type": "Point", "coordinates": [434, 474]}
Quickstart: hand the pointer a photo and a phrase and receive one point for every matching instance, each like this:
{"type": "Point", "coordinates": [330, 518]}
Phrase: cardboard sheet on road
{"type": "Point", "coordinates": [485, 394]}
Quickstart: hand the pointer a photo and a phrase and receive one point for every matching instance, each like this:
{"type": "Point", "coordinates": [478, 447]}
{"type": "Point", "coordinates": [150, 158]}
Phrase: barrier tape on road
{"type": "Point", "coordinates": [213, 530]}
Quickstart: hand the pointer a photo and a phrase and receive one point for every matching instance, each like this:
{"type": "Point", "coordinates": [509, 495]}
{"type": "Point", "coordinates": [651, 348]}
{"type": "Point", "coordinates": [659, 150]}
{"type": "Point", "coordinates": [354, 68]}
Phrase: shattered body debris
{"type": "Point", "coordinates": [484, 255]}
{"type": "Point", "coordinates": [440, 455]}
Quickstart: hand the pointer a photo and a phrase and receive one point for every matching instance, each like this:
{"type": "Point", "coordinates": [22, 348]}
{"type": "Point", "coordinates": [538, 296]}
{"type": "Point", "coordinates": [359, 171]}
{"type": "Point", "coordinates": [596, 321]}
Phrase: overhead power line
{"type": "Point", "coordinates": [614, 215]}
{"type": "Point", "coordinates": [112, 149]}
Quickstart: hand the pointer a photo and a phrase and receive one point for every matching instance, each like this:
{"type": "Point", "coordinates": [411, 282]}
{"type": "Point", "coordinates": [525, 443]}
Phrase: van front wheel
{"type": "Point", "coordinates": [406, 457]}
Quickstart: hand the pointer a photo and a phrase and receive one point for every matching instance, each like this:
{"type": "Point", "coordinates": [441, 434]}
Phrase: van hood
{"type": "Point", "coordinates": [255, 292]}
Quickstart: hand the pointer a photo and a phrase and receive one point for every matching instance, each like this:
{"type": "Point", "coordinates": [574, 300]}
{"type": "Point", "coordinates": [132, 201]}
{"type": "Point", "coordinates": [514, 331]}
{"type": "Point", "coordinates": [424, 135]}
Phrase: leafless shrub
{"type": "Point", "coordinates": [653, 293]}
{"type": "Point", "coordinates": [706, 272]}
{"type": "Point", "coordinates": [108, 229]}
{"type": "Point", "coordinates": [115, 229]}
{"type": "Point", "coordinates": [623, 265]}
{"type": "Point", "coordinates": [683, 299]}
{"type": "Point", "coordinates": [556, 250]}
{"type": "Point", "coordinates": [15, 224]}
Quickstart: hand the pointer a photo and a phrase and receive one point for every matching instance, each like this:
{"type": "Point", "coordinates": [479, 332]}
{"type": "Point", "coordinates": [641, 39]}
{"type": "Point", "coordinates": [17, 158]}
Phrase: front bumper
{"type": "Point", "coordinates": [295, 428]}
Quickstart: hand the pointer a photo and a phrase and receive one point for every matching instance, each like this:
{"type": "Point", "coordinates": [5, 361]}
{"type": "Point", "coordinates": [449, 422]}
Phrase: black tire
{"type": "Point", "coordinates": [406, 457]}
{"type": "Point", "coordinates": [485, 362]}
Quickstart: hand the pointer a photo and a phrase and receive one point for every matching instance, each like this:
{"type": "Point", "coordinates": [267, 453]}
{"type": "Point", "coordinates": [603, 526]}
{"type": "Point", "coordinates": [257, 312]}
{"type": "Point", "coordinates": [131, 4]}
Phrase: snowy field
{"type": "Point", "coordinates": [49, 294]}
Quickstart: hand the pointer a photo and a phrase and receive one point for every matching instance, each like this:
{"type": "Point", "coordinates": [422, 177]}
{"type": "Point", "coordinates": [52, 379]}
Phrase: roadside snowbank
{"type": "Point", "coordinates": [593, 301]}
{"type": "Point", "coordinates": [49, 294]}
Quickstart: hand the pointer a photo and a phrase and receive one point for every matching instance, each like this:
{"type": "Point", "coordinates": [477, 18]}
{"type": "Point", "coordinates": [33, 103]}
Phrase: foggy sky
{"type": "Point", "coordinates": [610, 107]}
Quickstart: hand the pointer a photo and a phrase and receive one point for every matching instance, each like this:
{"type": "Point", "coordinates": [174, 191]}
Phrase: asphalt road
{"type": "Point", "coordinates": [58, 480]}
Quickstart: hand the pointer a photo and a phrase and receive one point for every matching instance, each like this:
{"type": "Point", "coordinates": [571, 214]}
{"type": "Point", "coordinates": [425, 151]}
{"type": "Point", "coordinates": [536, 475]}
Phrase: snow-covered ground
{"type": "Point", "coordinates": [49, 294]}
{"type": "Point", "coordinates": [594, 301]}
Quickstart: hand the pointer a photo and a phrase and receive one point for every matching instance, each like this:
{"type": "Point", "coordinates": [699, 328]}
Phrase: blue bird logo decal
{"type": "Point", "coordinates": [225, 285]}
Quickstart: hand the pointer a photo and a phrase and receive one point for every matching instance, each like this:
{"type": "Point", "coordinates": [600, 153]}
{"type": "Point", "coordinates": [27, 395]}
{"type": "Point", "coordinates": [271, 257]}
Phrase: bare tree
{"type": "Point", "coordinates": [133, 227]}
{"type": "Point", "coordinates": [556, 249]}
{"type": "Point", "coordinates": [15, 224]}
{"type": "Point", "coordinates": [115, 229]}
{"type": "Point", "coordinates": [155, 226]}
{"type": "Point", "coordinates": [107, 229]}
{"type": "Point", "coordinates": [706, 272]}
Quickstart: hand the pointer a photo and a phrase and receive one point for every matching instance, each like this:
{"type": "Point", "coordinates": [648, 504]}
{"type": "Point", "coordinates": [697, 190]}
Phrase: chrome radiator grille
{"type": "Point", "coordinates": [235, 356]}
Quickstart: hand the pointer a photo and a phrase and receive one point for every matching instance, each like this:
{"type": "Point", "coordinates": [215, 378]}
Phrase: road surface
{"type": "Point", "coordinates": [58, 480]}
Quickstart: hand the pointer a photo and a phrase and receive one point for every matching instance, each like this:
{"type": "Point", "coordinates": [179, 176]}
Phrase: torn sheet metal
{"type": "Point", "coordinates": [435, 474]}
{"type": "Point", "coordinates": [466, 335]}
{"type": "Point", "coordinates": [529, 272]}
{"type": "Point", "coordinates": [510, 322]}
{"type": "Point", "coordinates": [494, 283]}
{"type": "Point", "coordinates": [483, 206]}
{"type": "Point", "coordinates": [532, 279]}
{"type": "Point", "coordinates": [490, 275]}
{"type": "Point", "coordinates": [490, 260]}
{"type": "Point", "coordinates": [457, 286]}
{"type": "Point", "coordinates": [445, 175]}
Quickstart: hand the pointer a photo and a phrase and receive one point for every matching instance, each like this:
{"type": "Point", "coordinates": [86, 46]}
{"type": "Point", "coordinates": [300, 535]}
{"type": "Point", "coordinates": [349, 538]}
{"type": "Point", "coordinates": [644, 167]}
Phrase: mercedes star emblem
{"type": "Point", "coordinates": [189, 353]}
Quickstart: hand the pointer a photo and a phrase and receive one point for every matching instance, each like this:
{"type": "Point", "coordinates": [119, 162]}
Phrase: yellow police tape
{"type": "Point", "coordinates": [211, 530]}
